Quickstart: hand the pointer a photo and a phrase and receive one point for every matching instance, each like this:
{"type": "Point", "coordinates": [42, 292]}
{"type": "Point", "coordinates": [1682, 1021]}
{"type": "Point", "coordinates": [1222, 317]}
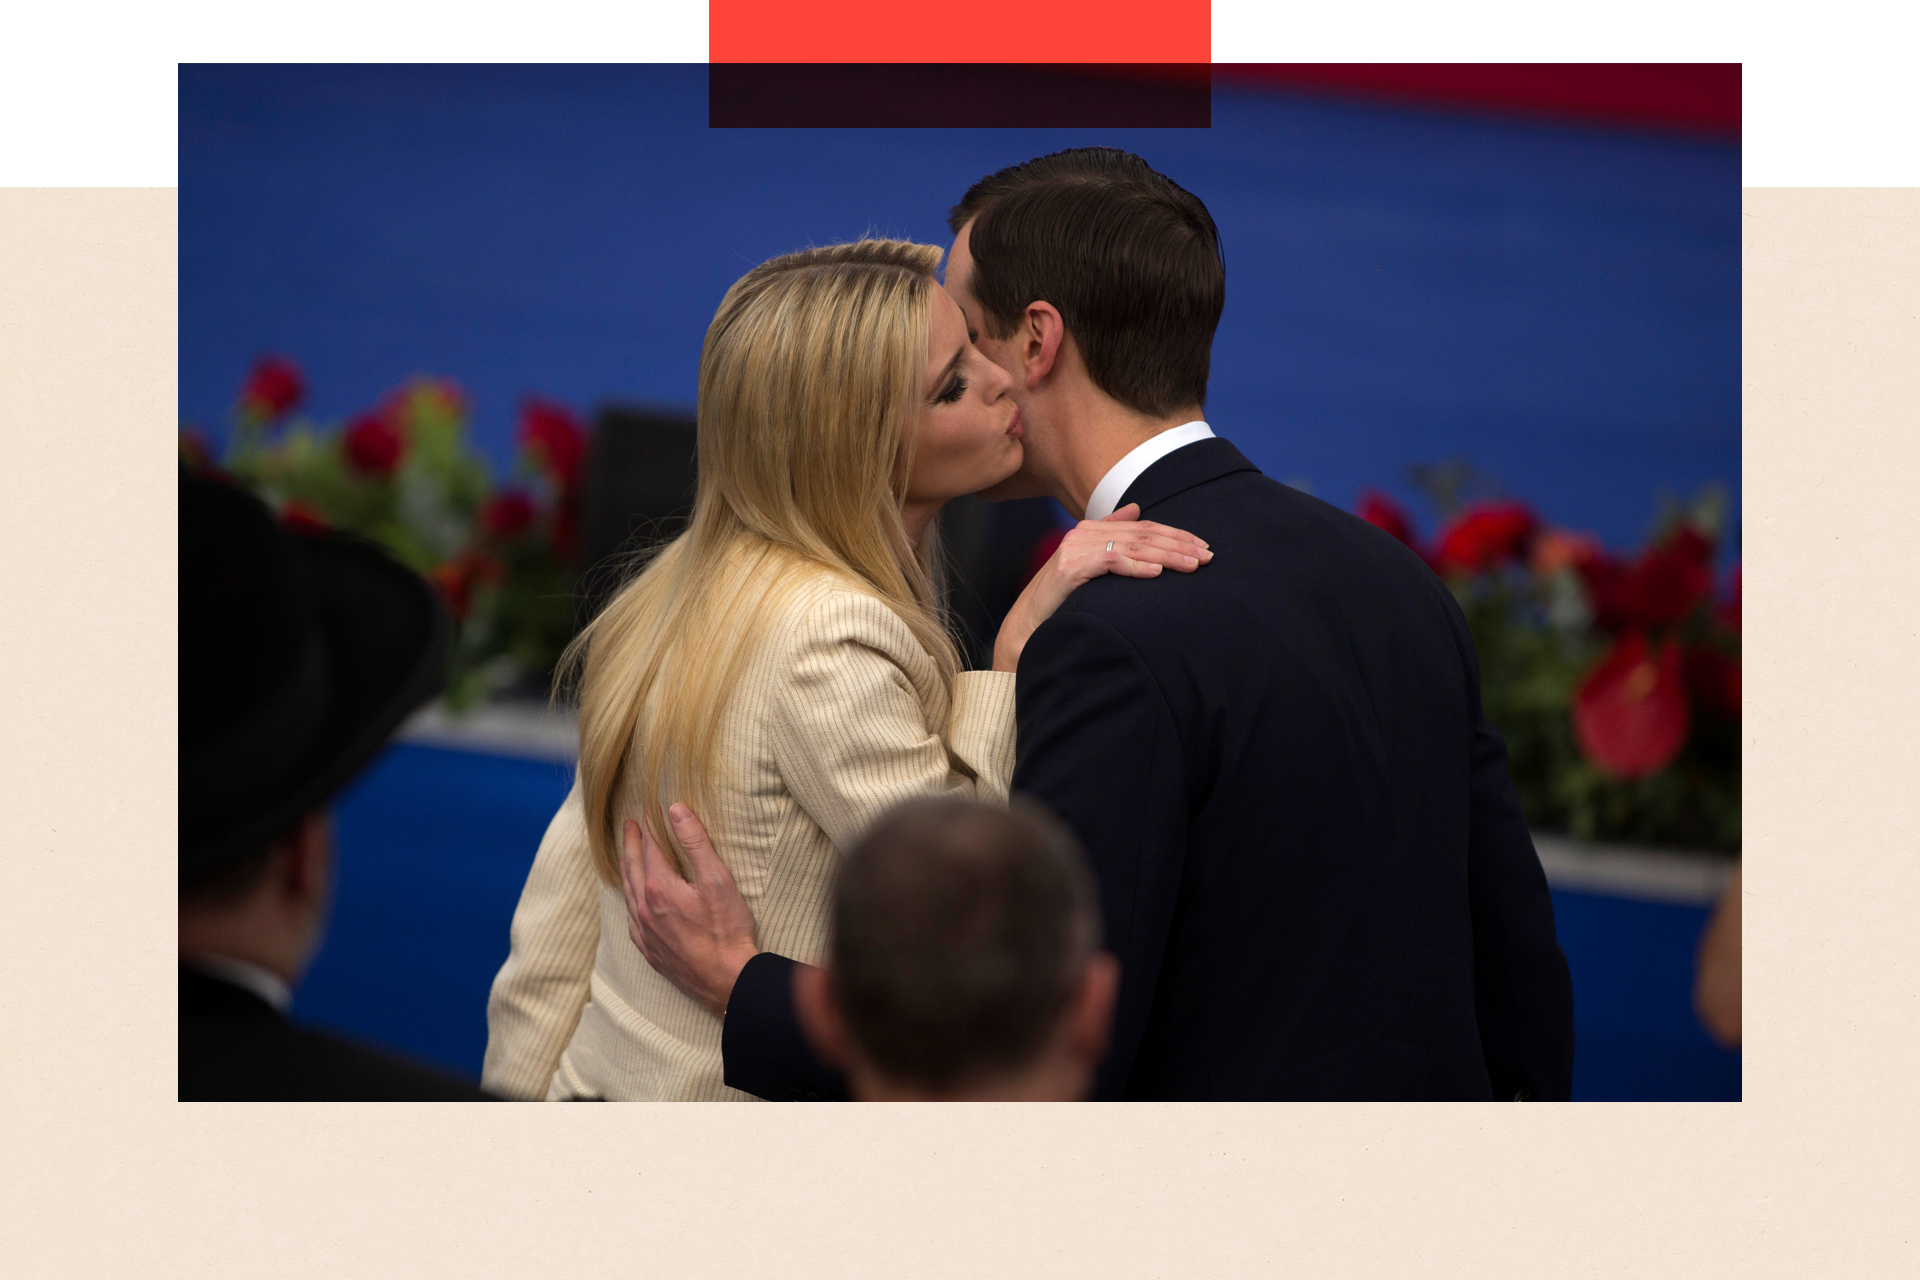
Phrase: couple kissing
{"type": "Point", "coordinates": [1259, 714]}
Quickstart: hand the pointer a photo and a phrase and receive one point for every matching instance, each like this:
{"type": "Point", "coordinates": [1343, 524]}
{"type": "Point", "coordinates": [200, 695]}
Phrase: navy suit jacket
{"type": "Point", "coordinates": [1312, 864]}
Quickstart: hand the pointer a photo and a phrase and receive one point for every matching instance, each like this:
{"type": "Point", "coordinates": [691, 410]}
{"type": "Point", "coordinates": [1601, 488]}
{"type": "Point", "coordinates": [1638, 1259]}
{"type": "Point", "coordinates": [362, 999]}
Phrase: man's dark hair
{"type": "Point", "coordinates": [1130, 259]}
{"type": "Point", "coordinates": [230, 885]}
{"type": "Point", "coordinates": [960, 933]}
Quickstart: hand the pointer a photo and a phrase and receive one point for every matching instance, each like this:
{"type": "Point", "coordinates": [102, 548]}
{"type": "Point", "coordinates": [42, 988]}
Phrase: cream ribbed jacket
{"type": "Point", "coordinates": [831, 726]}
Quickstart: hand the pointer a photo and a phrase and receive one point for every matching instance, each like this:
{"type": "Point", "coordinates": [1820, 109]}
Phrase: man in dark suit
{"type": "Point", "coordinates": [299, 655]}
{"type": "Point", "coordinates": [1312, 864]}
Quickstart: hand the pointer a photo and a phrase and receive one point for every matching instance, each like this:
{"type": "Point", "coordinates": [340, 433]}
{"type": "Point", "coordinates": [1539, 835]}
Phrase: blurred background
{"type": "Point", "coordinates": [460, 309]}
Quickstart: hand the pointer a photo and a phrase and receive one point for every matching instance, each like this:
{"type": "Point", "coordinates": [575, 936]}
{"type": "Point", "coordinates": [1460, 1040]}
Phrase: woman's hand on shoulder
{"type": "Point", "coordinates": [1122, 543]}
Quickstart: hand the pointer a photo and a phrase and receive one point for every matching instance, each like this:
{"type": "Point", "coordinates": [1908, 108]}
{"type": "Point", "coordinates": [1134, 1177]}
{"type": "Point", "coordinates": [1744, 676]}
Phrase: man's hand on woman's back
{"type": "Point", "coordinates": [698, 934]}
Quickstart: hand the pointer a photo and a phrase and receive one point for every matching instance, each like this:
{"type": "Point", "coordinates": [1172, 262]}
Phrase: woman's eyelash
{"type": "Point", "coordinates": [954, 391]}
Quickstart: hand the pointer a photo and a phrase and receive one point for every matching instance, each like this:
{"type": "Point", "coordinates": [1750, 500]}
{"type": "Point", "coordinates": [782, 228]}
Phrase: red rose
{"type": "Point", "coordinates": [555, 437]}
{"type": "Point", "coordinates": [303, 517]}
{"type": "Point", "coordinates": [1658, 590]}
{"type": "Point", "coordinates": [271, 390]}
{"type": "Point", "coordinates": [1484, 537]}
{"type": "Point", "coordinates": [1674, 577]}
{"type": "Point", "coordinates": [372, 446]}
{"type": "Point", "coordinates": [1382, 512]}
{"type": "Point", "coordinates": [507, 513]}
{"type": "Point", "coordinates": [1630, 712]}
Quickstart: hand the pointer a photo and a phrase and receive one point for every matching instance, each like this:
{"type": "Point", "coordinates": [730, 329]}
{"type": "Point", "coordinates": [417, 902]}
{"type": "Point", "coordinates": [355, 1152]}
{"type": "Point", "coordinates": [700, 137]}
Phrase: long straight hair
{"type": "Point", "coordinates": [810, 392]}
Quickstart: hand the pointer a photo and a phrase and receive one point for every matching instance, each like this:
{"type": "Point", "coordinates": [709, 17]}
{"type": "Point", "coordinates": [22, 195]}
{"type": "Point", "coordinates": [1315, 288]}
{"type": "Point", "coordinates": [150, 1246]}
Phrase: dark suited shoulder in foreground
{"type": "Point", "coordinates": [1313, 865]}
{"type": "Point", "coordinates": [236, 1047]}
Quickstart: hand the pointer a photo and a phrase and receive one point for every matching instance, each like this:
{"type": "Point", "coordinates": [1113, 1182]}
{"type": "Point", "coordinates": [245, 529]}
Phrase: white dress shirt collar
{"type": "Point", "coordinates": [1113, 486]}
{"type": "Point", "coordinates": [267, 985]}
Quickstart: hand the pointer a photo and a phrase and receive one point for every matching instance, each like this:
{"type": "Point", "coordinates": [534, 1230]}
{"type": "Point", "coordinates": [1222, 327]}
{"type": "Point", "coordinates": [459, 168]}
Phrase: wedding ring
{"type": "Point", "coordinates": [1109, 544]}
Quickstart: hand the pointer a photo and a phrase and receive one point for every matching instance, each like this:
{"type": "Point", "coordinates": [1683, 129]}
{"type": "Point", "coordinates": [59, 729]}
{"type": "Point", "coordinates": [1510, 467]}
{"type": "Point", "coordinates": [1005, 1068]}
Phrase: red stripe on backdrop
{"type": "Point", "coordinates": [990, 31]}
{"type": "Point", "coordinates": [1700, 97]}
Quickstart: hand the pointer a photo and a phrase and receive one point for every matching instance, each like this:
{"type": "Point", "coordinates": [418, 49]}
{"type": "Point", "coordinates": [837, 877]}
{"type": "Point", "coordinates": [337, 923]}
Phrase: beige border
{"type": "Point", "coordinates": [101, 1174]}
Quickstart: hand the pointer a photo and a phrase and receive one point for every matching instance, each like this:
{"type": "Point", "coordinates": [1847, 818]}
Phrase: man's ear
{"type": "Point", "coordinates": [307, 872]}
{"type": "Point", "coordinates": [819, 1014]}
{"type": "Point", "coordinates": [1090, 1011]}
{"type": "Point", "coordinates": [1042, 333]}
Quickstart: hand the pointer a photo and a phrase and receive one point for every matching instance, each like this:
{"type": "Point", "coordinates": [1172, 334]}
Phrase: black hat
{"type": "Point", "coordinates": [299, 654]}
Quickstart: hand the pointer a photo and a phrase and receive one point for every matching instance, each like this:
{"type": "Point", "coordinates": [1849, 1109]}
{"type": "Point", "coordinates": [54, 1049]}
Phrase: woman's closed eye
{"type": "Point", "coordinates": [955, 389]}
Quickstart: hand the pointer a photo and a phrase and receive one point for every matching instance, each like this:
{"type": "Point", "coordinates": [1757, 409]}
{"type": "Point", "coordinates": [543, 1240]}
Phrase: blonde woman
{"type": "Point", "coordinates": [783, 666]}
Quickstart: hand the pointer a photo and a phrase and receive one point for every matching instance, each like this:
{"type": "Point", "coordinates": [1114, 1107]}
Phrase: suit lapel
{"type": "Point", "coordinates": [1185, 467]}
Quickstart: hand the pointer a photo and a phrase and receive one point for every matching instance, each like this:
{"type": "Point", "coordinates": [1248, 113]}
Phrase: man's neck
{"type": "Point", "coordinates": [1050, 1081]}
{"type": "Point", "coordinates": [1093, 436]}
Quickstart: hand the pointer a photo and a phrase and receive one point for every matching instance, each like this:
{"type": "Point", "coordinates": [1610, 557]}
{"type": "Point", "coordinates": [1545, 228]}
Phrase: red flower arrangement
{"type": "Point", "coordinates": [1614, 679]}
{"type": "Point", "coordinates": [404, 474]}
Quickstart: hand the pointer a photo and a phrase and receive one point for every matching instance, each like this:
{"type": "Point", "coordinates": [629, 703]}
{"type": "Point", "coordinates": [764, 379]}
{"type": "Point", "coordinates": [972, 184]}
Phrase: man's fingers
{"type": "Point", "coordinates": [632, 850]}
{"type": "Point", "coordinates": [693, 838]}
{"type": "Point", "coordinates": [650, 856]}
{"type": "Point", "coordinates": [662, 871]}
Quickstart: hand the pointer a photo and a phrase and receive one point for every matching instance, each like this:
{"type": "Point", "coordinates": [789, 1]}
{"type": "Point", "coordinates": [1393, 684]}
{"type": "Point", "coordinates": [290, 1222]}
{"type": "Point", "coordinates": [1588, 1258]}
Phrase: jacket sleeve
{"type": "Point", "coordinates": [851, 741]}
{"type": "Point", "coordinates": [1523, 992]}
{"type": "Point", "coordinates": [762, 1046]}
{"type": "Point", "coordinates": [851, 737]}
{"type": "Point", "coordinates": [539, 992]}
{"type": "Point", "coordinates": [1099, 747]}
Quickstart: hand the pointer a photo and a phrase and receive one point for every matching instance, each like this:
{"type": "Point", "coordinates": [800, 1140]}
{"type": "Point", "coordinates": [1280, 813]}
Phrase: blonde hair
{"type": "Point", "coordinates": [810, 392]}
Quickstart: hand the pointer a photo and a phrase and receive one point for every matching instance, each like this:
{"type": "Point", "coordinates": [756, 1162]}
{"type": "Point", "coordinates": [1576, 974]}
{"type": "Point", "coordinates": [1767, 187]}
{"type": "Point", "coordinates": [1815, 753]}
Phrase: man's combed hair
{"type": "Point", "coordinates": [1131, 260]}
{"type": "Point", "coordinates": [960, 933]}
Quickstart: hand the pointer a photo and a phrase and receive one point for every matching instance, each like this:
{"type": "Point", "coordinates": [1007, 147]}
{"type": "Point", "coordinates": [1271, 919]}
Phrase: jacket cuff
{"type": "Point", "coordinates": [981, 728]}
{"type": "Point", "coordinates": [762, 1048]}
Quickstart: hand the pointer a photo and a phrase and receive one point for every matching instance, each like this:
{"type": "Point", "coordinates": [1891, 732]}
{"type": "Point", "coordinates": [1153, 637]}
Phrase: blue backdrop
{"type": "Point", "coordinates": [1557, 304]}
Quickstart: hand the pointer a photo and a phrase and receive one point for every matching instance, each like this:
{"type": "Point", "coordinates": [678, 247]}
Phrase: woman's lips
{"type": "Point", "coordinates": [1014, 429]}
